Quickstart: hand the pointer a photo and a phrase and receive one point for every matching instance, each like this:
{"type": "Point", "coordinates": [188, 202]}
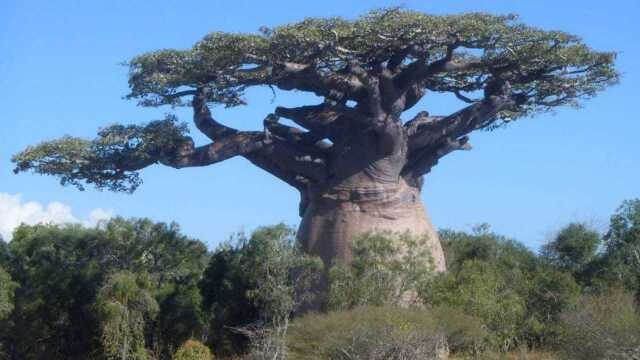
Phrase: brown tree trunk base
{"type": "Point", "coordinates": [333, 219]}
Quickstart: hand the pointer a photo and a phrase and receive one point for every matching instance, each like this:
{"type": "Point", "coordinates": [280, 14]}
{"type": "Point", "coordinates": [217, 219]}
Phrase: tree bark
{"type": "Point", "coordinates": [365, 191]}
{"type": "Point", "coordinates": [332, 219]}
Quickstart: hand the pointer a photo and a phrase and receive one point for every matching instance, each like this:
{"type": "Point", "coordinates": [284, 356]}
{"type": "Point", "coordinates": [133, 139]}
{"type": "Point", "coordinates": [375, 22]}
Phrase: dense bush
{"type": "Point", "coordinates": [372, 332]}
{"type": "Point", "coordinates": [481, 290]}
{"type": "Point", "coordinates": [603, 326]}
{"type": "Point", "coordinates": [7, 288]}
{"type": "Point", "coordinates": [193, 350]}
{"type": "Point", "coordinates": [386, 269]}
{"type": "Point", "coordinates": [256, 281]}
{"type": "Point", "coordinates": [143, 289]}
{"type": "Point", "coordinates": [575, 246]}
{"type": "Point", "coordinates": [60, 270]}
{"type": "Point", "coordinates": [515, 294]}
{"type": "Point", "coordinates": [124, 304]}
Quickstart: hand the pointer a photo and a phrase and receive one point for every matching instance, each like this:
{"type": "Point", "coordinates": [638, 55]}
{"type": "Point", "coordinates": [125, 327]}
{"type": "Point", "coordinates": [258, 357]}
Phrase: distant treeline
{"type": "Point", "coordinates": [135, 289]}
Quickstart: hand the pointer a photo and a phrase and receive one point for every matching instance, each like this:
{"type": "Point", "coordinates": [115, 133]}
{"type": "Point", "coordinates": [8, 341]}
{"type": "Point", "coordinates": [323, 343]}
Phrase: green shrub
{"type": "Point", "coordinates": [573, 248]}
{"type": "Point", "coordinates": [377, 332]}
{"type": "Point", "coordinates": [193, 350]}
{"type": "Point", "coordinates": [381, 272]}
{"type": "Point", "coordinates": [7, 288]}
{"type": "Point", "coordinates": [515, 294]}
{"type": "Point", "coordinates": [125, 306]}
{"type": "Point", "coordinates": [602, 326]}
{"type": "Point", "coordinates": [261, 279]}
{"type": "Point", "coordinates": [479, 289]}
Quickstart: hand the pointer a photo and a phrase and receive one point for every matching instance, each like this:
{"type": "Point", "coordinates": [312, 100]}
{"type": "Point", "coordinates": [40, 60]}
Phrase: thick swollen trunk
{"type": "Point", "coordinates": [332, 219]}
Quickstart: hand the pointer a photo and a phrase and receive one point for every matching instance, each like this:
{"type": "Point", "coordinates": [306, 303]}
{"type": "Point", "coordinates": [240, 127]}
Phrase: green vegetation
{"type": "Point", "coordinates": [193, 350]}
{"type": "Point", "coordinates": [379, 332]}
{"type": "Point", "coordinates": [602, 326]}
{"type": "Point", "coordinates": [123, 304]}
{"type": "Point", "coordinates": [254, 283]}
{"type": "Point", "coordinates": [382, 272]}
{"type": "Point", "coordinates": [134, 289]}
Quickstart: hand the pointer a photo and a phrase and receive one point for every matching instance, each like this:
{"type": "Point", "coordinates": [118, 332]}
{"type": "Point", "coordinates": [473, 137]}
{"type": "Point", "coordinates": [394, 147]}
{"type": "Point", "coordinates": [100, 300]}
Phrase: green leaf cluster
{"type": "Point", "coordinates": [552, 68]}
{"type": "Point", "coordinates": [61, 269]}
{"type": "Point", "coordinates": [256, 280]}
{"type": "Point", "coordinates": [111, 160]}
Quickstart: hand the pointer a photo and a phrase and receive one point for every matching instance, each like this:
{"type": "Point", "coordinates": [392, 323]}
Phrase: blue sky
{"type": "Point", "coordinates": [60, 74]}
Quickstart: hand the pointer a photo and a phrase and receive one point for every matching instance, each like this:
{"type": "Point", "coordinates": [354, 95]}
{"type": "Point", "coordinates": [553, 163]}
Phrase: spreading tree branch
{"type": "Point", "coordinates": [431, 138]}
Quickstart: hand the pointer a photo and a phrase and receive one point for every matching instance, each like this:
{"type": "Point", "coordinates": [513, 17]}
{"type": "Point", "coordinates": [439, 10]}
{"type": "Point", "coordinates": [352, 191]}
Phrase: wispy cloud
{"type": "Point", "coordinates": [14, 211]}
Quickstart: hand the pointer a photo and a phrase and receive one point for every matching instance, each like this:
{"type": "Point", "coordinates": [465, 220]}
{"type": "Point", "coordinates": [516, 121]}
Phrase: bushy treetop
{"type": "Point", "coordinates": [551, 67]}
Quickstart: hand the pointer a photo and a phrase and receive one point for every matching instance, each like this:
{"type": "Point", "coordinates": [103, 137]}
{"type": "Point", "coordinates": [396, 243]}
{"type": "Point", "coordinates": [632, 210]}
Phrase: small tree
{"type": "Point", "coordinates": [252, 288]}
{"type": "Point", "coordinates": [7, 287]}
{"type": "Point", "coordinates": [60, 270]}
{"type": "Point", "coordinates": [124, 304]}
{"type": "Point", "coordinates": [620, 263]}
{"type": "Point", "coordinates": [380, 332]}
{"type": "Point", "coordinates": [573, 248]}
{"type": "Point", "coordinates": [193, 350]}
{"type": "Point", "coordinates": [515, 294]}
{"type": "Point", "coordinates": [602, 326]}
{"type": "Point", "coordinates": [381, 272]}
{"type": "Point", "coordinates": [479, 289]}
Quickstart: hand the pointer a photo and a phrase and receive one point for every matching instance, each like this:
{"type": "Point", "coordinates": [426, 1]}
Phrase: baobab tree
{"type": "Point", "coordinates": [357, 164]}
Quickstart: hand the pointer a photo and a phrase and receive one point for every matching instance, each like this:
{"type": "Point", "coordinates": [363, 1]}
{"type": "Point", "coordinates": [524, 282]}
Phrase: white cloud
{"type": "Point", "coordinates": [13, 212]}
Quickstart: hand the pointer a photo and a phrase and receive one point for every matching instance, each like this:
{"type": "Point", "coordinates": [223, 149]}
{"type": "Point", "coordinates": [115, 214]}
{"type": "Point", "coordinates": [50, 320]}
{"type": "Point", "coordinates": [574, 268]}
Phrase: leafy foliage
{"type": "Point", "coordinates": [604, 326]}
{"type": "Point", "coordinates": [110, 161]}
{"type": "Point", "coordinates": [516, 295]}
{"type": "Point", "coordinates": [193, 350]}
{"type": "Point", "coordinates": [70, 292]}
{"type": "Point", "coordinates": [480, 290]}
{"type": "Point", "coordinates": [386, 332]}
{"type": "Point", "coordinates": [7, 287]}
{"type": "Point", "coordinates": [7, 304]}
{"type": "Point", "coordinates": [61, 269]}
{"type": "Point", "coordinates": [384, 270]}
{"type": "Point", "coordinates": [124, 303]}
{"type": "Point", "coordinates": [619, 264]}
{"type": "Point", "coordinates": [551, 67]}
{"type": "Point", "coordinates": [259, 280]}
{"type": "Point", "coordinates": [573, 248]}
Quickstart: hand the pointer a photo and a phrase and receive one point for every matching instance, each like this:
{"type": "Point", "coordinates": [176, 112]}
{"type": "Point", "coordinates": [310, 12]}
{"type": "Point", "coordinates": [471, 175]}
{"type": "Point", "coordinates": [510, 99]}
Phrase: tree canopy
{"type": "Point", "coordinates": [383, 62]}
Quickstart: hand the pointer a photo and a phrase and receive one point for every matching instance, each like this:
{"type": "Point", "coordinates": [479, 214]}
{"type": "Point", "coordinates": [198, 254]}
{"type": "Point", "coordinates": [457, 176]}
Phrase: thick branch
{"type": "Point", "coordinates": [266, 162]}
{"type": "Point", "coordinates": [411, 79]}
{"type": "Point", "coordinates": [306, 141]}
{"type": "Point", "coordinates": [422, 162]}
{"type": "Point", "coordinates": [476, 116]}
{"type": "Point", "coordinates": [324, 119]}
{"type": "Point", "coordinates": [398, 57]}
{"type": "Point", "coordinates": [431, 138]}
{"type": "Point", "coordinates": [305, 167]}
{"type": "Point", "coordinates": [205, 122]}
{"type": "Point", "coordinates": [372, 104]}
{"type": "Point", "coordinates": [305, 77]}
{"type": "Point", "coordinates": [187, 155]}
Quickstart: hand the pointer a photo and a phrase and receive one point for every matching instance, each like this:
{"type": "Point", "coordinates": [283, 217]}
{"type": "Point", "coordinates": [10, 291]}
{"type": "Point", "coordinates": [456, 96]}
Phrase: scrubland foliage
{"type": "Point", "coordinates": [602, 326]}
{"type": "Point", "coordinates": [377, 332]}
{"type": "Point", "coordinates": [135, 289]}
{"type": "Point", "coordinates": [386, 269]}
{"type": "Point", "coordinates": [192, 350]}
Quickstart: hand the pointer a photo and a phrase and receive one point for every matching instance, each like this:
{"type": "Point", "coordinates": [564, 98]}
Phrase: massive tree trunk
{"type": "Point", "coordinates": [334, 218]}
{"type": "Point", "coordinates": [366, 191]}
